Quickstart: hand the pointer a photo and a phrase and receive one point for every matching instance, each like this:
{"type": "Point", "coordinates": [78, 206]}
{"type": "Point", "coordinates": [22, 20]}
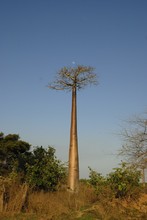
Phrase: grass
{"type": "Point", "coordinates": [62, 205]}
{"type": "Point", "coordinates": [21, 216]}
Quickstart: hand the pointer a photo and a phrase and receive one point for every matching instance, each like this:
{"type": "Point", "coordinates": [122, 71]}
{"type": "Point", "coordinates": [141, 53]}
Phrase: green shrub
{"type": "Point", "coordinates": [100, 185]}
{"type": "Point", "coordinates": [124, 181]}
{"type": "Point", "coordinates": [45, 172]}
{"type": "Point", "coordinates": [96, 179]}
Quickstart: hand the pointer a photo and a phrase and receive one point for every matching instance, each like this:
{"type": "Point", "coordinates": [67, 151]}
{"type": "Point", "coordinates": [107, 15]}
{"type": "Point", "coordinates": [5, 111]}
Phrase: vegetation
{"type": "Point", "coordinates": [99, 183]}
{"type": "Point", "coordinates": [62, 205]}
{"type": "Point", "coordinates": [72, 79]}
{"type": "Point", "coordinates": [134, 149]}
{"type": "Point", "coordinates": [14, 153]}
{"type": "Point", "coordinates": [39, 168]}
{"type": "Point", "coordinates": [33, 186]}
{"type": "Point", "coordinates": [45, 172]}
{"type": "Point", "coordinates": [125, 181]}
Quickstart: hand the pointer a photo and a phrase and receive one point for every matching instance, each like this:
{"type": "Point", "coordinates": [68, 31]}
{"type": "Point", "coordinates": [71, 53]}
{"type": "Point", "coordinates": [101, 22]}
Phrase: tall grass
{"type": "Point", "coordinates": [22, 203]}
{"type": "Point", "coordinates": [60, 203]}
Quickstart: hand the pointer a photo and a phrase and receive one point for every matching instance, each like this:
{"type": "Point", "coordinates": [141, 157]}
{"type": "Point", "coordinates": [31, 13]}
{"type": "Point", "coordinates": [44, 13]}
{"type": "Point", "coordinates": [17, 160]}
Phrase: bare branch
{"type": "Point", "coordinates": [79, 77]}
{"type": "Point", "coordinates": [135, 139]}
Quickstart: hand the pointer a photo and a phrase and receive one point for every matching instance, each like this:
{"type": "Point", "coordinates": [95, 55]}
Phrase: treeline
{"type": "Point", "coordinates": [40, 169]}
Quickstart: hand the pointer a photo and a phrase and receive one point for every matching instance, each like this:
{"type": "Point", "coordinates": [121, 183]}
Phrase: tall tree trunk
{"type": "Point", "coordinates": [73, 173]}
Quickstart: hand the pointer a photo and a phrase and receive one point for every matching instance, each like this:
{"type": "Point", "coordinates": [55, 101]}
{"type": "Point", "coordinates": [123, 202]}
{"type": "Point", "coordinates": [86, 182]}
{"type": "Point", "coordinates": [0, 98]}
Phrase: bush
{"type": "Point", "coordinates": [101, 186]}
{"type": "Point", "coordinates": [45, 172]}
{"type": "Point", "coordinates": [96, 179]}
{"type": "Point", "coordinates": [124, 181]}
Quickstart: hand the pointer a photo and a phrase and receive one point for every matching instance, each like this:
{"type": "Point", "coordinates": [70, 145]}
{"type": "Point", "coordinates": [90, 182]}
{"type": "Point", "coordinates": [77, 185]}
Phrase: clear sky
{"type": "Point", "coordinates": [37, 38]}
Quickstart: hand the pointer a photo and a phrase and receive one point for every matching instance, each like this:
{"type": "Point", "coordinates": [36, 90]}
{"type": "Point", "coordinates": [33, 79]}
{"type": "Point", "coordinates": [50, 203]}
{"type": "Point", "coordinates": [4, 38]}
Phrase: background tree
{"type": "Point", "coordinates": [13, 154]}
{"type": "Point", "coordinates": [135, 143]}
{"type": "Point", "coordinates": [71, 79]}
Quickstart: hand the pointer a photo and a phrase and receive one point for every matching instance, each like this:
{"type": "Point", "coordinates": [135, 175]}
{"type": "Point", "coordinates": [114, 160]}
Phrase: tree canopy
{"type": "Point", "coordinates": [80, 76]}
{"type": "Point", "coordinates": [13, 152]}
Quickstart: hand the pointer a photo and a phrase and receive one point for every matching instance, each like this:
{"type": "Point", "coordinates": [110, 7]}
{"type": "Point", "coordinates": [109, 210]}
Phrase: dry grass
{"type": "Point", "coordinates": [62, 205]}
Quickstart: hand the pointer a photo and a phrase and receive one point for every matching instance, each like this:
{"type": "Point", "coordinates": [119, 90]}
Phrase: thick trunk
{"type": "Point", "coordinates": [73, 173]}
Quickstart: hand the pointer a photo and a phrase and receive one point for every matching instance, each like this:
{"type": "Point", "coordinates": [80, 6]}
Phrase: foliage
{"type": "Point", "coordinates": [40, 168]}
{"type": "Point", "coordinates": [124, 181]}
{"type": "Point", "coordinates": [13, 154]}
{"type": "Point", "coordinates": [100, 185]}
{"type": "Point", "coordinates": [45, 172]}
{"type": "Point", "coordinates": [96, 179]}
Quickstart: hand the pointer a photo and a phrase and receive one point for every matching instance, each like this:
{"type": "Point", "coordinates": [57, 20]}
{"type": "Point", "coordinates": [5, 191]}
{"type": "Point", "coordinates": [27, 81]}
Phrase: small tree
{"type": "Point", "coordinates": [45, 171]}
{"type": "Point", "coordinates": [72, 79]}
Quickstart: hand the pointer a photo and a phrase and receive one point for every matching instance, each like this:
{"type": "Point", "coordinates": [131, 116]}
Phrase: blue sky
{"type": "Point", "coordinates": [37, 38]}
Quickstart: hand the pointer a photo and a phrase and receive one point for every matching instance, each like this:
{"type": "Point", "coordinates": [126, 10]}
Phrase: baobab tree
{"type": "Point", "coordinates": [73, 79]}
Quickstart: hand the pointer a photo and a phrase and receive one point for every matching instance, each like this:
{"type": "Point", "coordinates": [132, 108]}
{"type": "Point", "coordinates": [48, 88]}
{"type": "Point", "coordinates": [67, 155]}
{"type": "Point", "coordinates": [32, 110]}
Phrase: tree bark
{"type": "Point", "coordinates": [73, 172]}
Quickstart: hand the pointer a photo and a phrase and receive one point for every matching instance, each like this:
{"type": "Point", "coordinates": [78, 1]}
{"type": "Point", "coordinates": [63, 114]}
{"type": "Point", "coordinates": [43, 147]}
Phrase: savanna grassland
{"type": "Point", "coordinates": [33, 186]}
{"type": "Point", "coordinates": [24, 204]}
